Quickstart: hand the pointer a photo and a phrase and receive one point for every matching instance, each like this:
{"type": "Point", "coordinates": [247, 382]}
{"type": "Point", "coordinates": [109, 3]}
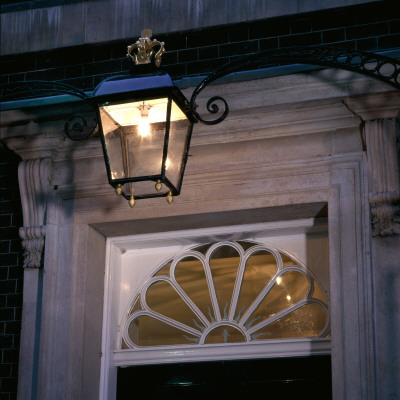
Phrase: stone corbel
{"type": "Point", "coordinates": [384, 179]}
{"type": "Point", "coordinates": [34, 184]}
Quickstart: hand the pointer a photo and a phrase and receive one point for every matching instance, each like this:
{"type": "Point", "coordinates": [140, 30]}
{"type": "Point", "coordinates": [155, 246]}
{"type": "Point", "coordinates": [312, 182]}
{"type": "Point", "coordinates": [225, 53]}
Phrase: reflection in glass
{"type": "Point", "coordinates": [293, 287]}
{"type": "Point", "coordinates": [307, 321]}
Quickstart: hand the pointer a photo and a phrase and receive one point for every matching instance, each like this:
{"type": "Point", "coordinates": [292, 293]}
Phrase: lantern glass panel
{"type": "Point", "coordinates": [179, 132]}
{"type": "Point", "coordinates": [134, 136]}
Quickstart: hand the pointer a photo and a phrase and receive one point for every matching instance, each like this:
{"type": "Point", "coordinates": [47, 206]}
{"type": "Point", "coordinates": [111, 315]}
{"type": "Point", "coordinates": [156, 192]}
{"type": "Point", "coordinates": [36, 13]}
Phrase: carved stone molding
{"type": "Point", "coordinates": [383, 176]}
{"type": "Point", "coordinates": [34, 184]}
{"type": "Point", "coordinates": [385, 213]}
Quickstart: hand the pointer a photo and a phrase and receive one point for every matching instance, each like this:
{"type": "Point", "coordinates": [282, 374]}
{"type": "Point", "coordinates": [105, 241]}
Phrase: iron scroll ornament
{"type": "Point", "coordinates": [373, 65]}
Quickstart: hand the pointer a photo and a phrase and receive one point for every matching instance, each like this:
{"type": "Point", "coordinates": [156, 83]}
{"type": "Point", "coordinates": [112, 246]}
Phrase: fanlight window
{"type": "Point", "coordinates": [227, 292]}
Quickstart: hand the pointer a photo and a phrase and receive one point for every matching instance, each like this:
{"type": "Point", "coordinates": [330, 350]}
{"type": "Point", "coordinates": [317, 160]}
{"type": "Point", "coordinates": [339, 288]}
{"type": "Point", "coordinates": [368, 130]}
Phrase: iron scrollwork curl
{"type": "Point", "coordinates": [376, 66]}
{"type": "Point", "coordinates": [213, 108]}
{"type": "Point", "coordinates": [78, 123]}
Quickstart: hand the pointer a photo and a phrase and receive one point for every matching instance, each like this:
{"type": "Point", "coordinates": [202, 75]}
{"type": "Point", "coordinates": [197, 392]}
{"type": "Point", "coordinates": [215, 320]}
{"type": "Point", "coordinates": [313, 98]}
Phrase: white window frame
{"type": "Point", "coordinates": [160, 246]}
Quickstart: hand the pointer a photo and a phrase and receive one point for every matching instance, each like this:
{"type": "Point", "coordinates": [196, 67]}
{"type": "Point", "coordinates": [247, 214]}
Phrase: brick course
{"type": "Point", "coordinates": [374, 26]}
{"type": "Point", "coordinates": [11, 273]}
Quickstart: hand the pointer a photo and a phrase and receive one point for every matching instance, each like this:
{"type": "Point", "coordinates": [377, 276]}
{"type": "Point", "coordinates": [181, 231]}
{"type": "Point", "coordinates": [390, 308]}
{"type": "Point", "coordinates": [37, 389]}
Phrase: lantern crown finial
{"type": "Point", "coordinates": [142, 51]}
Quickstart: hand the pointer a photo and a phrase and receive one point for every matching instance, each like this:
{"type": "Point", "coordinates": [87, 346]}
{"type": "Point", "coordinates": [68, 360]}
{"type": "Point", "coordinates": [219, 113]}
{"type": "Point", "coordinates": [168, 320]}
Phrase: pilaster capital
{"type": "Point", "coordinates": [34, 184]}
{"type": "Point", "coordinates": [383, 175]}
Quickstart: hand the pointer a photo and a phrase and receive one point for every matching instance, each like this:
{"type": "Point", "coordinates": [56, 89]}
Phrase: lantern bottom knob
{"type": "Point", "coordinates": [132, 201]}
{"type": "Point", "coordinates": [170, 198]}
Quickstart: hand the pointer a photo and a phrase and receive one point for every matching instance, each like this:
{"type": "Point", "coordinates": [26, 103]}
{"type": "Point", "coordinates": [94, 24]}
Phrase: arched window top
{"type": "Point", "coordinates": [226, 292]}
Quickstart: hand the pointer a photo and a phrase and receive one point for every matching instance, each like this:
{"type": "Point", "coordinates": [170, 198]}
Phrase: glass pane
{"type": "Point", "coordinates": [225, 334]}
{"type": "Point", "coordinates": [138, 112]}
{"type": "Point", "coordinates": [149, 331]}
{"type": "Point", "coordinates": [306, 321]}
{"type": "Point", "coordinates": [224, 263]}
{"type": "Point", "coordinates": [260, 268]}
{"type": "Point", "coordinates": [113, 142]}
{"type": "Point", "coordinates": [287, 260]}
{"type": "Point", "coordinates": [318, 293]}
{"type": "Point", "coordinates": [162, 298]}
{"type": "Point", "coordinates": [144, 154]}
{"type": "Point", "coordinates": [246, 245]}
{"type": "Point", "coordinates": [203, 248]}
{"type": "Point", "coordinates": [178, 138]}
{"type": "Point", "coordinates": [190, 275]}
{"type": "Point", "coordinates": [289, 288]}
{"type": "Point", "coordinates": [141, 132]}
{"type": "Point", "coordinates": [164, 270]}
{"type": "Point", "coordinates": [135, 306]}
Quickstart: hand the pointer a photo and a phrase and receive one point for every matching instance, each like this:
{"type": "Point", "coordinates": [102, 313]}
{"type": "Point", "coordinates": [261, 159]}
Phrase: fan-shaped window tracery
{"type": "Point", "coordinates": [227, 292]}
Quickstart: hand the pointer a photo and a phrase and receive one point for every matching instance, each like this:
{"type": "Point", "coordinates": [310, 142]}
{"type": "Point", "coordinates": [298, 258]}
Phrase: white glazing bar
{"type": "Point", "coordinates": [210, 281]}
{"type": "Point", "coordinates": [181, 292]}
{"type": "Point", "coordinates": [272, 348]}
{"type": "Point", "coordinates": [239, 277]}
{"type": "Point", "coordinates": [238, 281]}
{"type": "Point", "coordinates": [161, 318]}
{"type": "Point", "coordinates": [210, 324]}
{"type": "Point", "coordinates": [266, 289]}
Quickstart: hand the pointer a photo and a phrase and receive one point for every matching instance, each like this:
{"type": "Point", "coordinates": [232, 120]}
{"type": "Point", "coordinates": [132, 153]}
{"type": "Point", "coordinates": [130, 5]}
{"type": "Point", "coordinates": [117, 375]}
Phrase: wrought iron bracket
{"type": "Point", "coordinates": [32, 89]}
{"type": "Point", "coordinates": [373, 65]}
{"type": "Point", "coordinates": [376, 66]}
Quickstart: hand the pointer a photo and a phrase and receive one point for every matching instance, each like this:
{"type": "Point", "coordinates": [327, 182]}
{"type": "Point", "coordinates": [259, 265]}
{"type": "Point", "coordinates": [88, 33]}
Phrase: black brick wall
{"type": "Point", "coordinates": [373, 26]}
{"type": "Point", "coordinates": [11, 273]}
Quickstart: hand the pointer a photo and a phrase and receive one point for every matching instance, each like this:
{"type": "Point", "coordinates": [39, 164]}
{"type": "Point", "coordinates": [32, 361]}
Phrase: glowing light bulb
{"type": "Point", "coordinates": [167, 164]}
{"type": "Point", "coordinates": [144, 126]}
{"type": "Point", "coordinates": [278, 280]}
{"type": "Point", "coordinates": [288, 298]}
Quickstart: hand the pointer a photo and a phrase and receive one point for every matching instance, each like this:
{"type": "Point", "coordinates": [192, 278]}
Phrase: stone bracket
{"type": "Point", "coordinates": [34, 184]}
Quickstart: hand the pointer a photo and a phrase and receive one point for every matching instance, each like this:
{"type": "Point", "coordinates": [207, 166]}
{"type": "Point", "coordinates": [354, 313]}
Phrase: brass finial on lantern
{"type": "Point", "coordinates": [142, 51]}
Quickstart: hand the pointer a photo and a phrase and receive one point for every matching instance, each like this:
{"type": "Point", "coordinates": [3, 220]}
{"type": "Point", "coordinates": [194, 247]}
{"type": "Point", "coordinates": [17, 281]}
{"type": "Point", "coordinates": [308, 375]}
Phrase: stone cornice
{"type": "Point", "coordinates": [375, 105]}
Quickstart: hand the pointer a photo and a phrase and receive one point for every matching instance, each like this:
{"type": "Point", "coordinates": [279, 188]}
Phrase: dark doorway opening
{"type": "Point", "coordinates": [284, 378]}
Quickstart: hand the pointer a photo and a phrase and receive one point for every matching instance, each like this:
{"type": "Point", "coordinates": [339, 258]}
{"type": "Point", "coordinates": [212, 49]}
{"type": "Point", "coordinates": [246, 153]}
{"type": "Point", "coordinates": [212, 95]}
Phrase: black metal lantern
{"type": "Point", "coordinates": [145, 127]}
